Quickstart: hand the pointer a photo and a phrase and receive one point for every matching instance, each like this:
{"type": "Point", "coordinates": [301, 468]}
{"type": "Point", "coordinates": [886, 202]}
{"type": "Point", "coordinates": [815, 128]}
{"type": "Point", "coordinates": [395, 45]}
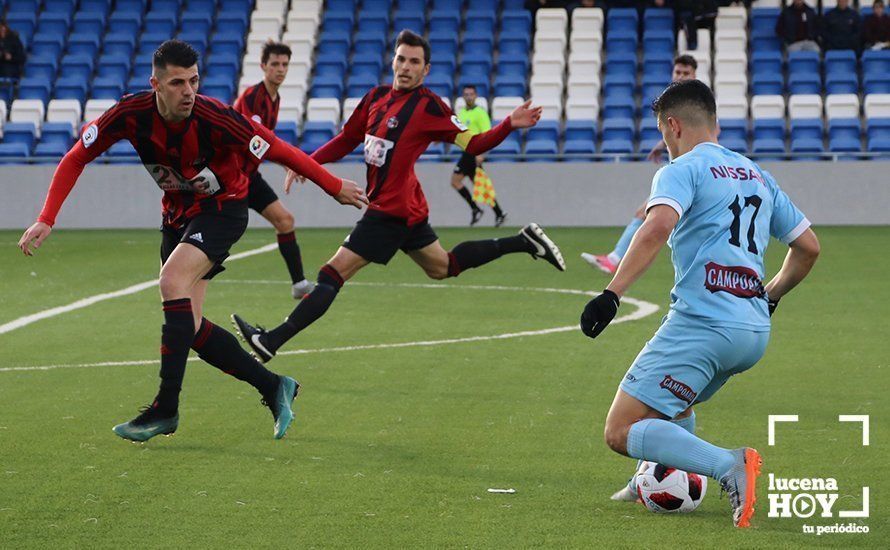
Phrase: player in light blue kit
{"type": "Point", "coordinates": [716, 210]}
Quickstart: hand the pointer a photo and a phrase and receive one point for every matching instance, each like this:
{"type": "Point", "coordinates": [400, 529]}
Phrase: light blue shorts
{"type": "Point", "coordinates": [686, 362]}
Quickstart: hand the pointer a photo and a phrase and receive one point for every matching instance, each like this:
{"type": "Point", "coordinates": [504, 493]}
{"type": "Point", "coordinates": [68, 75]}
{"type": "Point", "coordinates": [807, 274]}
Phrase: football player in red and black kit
{"type": "Point", "coordinates": [195, 149]}
{"type": "Point", "coordinates": [260, 104]}
{"type": "Point", "coordinates": [396, 124]}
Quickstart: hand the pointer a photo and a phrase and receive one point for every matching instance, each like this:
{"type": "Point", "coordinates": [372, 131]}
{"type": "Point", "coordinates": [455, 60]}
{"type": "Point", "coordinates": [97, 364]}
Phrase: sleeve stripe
{"type": "Point", "coordinates": [796, 232]}
{"type": "Point", "coordinates": [119, 110]}
{"type": "Point", "coordinates": [666, 201]}
{"type": "Point", "coordinates": [228, 123]}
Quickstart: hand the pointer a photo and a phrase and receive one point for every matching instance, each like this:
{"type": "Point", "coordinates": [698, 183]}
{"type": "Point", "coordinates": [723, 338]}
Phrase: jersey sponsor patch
{"type": "Point", "coordinates": [376, 150]}
{"type": "Point", "coordinates": [460, 125]}
{"type": "Point", "coordinates": [90, 135]}
{"type": "Point", "coordinates": [168, 179]}
{"type": "Point", "coordinates": [258, 147]}
{"type": "Point", "coordinates": [739, 281]}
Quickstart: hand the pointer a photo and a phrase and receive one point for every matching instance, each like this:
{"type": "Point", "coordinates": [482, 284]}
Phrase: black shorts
{"type": "Point", "coordinates": [466, 165]}
{"type": "Point", "coordinates": [259, 194]}
{"type": "Point", "coordinates": [213, 233]}
{"type": "Point", "coordinates": [377, 237]}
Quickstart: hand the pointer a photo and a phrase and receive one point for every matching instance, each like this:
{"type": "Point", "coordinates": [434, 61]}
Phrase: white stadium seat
{"type": "Point", "coordinates": [734, 84]}
{"type": "Point", "coordinates": [323, 109]}
{"type": "Point", "coordinates": [805, 106]}
{"type": "Point", "coordinates": [349, 105]}
{"type": "Point", "coordinates": [592, 44]}
{"type": "Point", "coordinates": [732, 17]}
{"type": "Point", "coordinates": [726, 62]}
{"type": "Point", "coordinates": [545, 86]}
{"type": "Point", "coordinates": [27, 110]}
{"type": "Point", "coordinates": [704, 41]}
{"type": "Point", "coordinates": [271, 6]}
{"type": "Point", "coordinates": [731, 40]}
{"type": "Point", "coordinates": [732, 106]}
{"type": "Point", "coordinates": [95, 107]}
{"type": "Point", "coordinates": [587, 21]}
{"type": "Point", "coordinates": [584, 85]}
{"type": "Point", "coordinates": [549, 19]}
{"type": "Point", "coordinates": [549, 64]}
{"type": "Point", "coordinates": [842, 106]}
{"type": "Point", "coordinates": [585, 62]}
{"type": "Point", "coordinates": [501, 107]}
{"type": "Point", "coordinates": [549, 42]}
{"type": "Point", "coordinates": [459, 103]}
{"type": "Point", "coordinates": [291, 109]}
{"type": "Point", "coordinates": [552, 106]}
{"type": "Point", "coordinates": [266, 24]}
{"type": "Point", "coordinates": [583, 107]}
{"type": "Point", "coordinates": [767, 106]}
{"type": "Point", "coordinates": [64, 110]}
{"type": "Point", "coordinates": [877, 106]}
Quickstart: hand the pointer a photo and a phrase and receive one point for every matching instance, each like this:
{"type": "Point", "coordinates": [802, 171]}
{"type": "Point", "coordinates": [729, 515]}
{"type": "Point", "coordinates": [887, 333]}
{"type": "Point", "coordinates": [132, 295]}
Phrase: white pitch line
{"type": "Point", "coordinates": [644, 309]}
{"type": "Point", "coordinates": [86, 302]}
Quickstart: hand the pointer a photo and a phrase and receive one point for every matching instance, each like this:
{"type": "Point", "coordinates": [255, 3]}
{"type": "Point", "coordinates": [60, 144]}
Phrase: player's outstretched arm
{"type": "Point", "coordinates": [644, 248]}
{"type": "Point", "coordinates": [35, 234]}
{"type": "Point", "coordinates": [343, 191]}
{"type": "Point", "coordinates": [523, 116]}
{"type": "Point", "coordinates": [802, 254]}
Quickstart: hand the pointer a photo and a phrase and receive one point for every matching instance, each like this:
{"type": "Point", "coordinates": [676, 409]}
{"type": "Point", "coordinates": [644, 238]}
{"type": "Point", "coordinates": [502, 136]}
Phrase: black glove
{"type": "Point", "coordinates": [771, 305]}
{"type": "Point", "coordinates": [598, 313]}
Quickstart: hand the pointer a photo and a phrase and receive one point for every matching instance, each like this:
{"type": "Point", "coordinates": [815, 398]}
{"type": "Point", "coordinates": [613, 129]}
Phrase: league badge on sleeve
{"type": "Point", "coordinates": [90, 135]}
{"type": "Point", "coordinates": [460, 125]}
{"type": "Point", "coordinates": [258, 147]}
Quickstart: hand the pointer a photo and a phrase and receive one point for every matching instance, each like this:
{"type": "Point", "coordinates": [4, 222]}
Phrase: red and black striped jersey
{"type": "Point", "coordinates": [396, 127]}
{"type": "Point", "coordinates": [199, 163]}
{"type": "Point", "coordinates": [256, 104]}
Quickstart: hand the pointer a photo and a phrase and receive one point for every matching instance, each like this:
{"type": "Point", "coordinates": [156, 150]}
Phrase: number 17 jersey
{"type": "Point", "coordinates": [728, 210]}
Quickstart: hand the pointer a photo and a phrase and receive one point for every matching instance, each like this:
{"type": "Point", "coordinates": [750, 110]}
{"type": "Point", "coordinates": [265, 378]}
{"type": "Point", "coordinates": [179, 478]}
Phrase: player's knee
{"type": "Point", "coordinates": [457, 181]}
{"type": "Point", "coordinates": [173, 286]}
{"type": "Point", "coordinates": [284, 222]}
{"type": "Point", "coordinates": [437, 273]}
{"type": "Point", "coordinates": [616, 437]}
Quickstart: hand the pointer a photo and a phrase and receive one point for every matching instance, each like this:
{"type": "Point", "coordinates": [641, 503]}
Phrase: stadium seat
{"type": "Point", "coordinates": [13, 153]}
{"type": "Point", "coordinates": [806, 148]}
{"type": "Point", "coordinates": [24, 133]}
{"type": "Point", "coordinates": [767, 83]}
{"type": "Point", "coordinates": [805, 106]}
{"type": "Point", "coordinates": [735, 129]}
{"type": "Point", "coordinates": [619, 107]}
{"type": "Point", "coordinates": [545, 129]}
{"type": "Point", "coordinates": [621, 129]}
{"type": "Point", "coordinates": [622, 19]}
{"type": "Point", "coordinates": [287, 130]}
{"type": "Point", "coordinates": [841, 83]}
{"type": "Point", "coordinates": [842, 106]}
{"type": "Point", "coordinates": [66, 111]}
{"type": "Point", "coordinates": [62, 132]}
{"type": "Point", "coordinates": [578, 150]}
{"type": "Point", "coordinates": [658, 19]}
{"type": "Point", "coordinates": [34, 89]}
{"type": "Point", "coordinates": [540, 150]}
{"type": "Point", "coordinates": [582, 107]}
{"type": "Point", "coordinates": [804, 83]}
{"type": "Point", "coordinates": [875, 62]}
{"type": "Point", "coordinates": [510, 86]}
{"type": "Point", "coordinates": [844, 135]}
{"type": "Point", "coordinates": [766, 62]}
{"type": "Point", "coordinates": [767, 106]}
{"type": "Point", "coordinates": [803, 62]}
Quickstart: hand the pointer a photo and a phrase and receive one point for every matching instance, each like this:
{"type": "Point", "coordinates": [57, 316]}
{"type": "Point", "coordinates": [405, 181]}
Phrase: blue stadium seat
{"type": "Point", "coordinates": [166, 6]}
{"type": "Point", "coordinates": [330, 65]}
{"type": "Point", "coordinates": [20, 132]}
{"type": "Point", "coordinates": [54, 23]}
{"type": "Point", "coordinates": [622, 19]}
{"type": "Point", "coordinates": [370, 63]}
{"type": "Point", "coordinates": [107, 88]}
{"type": "Point", "coordinates": [806, 128]}
{"type": "Point", "coordinates": [803, 62]}
{"type": "Point", "coordinates": [24, 24]}
{"type": "Point", "coordinates": [477, 46]}
{"type": "Point", "coordinates": [197, 38]}
{"type": "Point", "coordinates": [338, 21]}
{"type": "Point", "coordinates": [315, 134]}
{"type": "Point", "coordinates": [540, 150]}
{"type": "Point", "coordinates": [765, 40]}
{"type": "Point", "coordinates": [442, 65]}
{"type": "Point", "coordinates": [622, 41]}
{"type": "Point", "coordinates": [658, 41]}
{"type": "Point", "coordinates": [841, 83]}
{"type": "Point", "coordinates": [138, 83]}
{"type": "Point", "coordinates": [649, 130]}
{"type": "Point", "coordinates": [878, 128]}
{"type": "Point", "coordinates": [121, 152]}
{"type": "Point", "coordinates": [376, 26]}
{"type": "Point", "coordinates": [83, 43]}
{"type": "Point", "coordinates": [545, 129]}
{"type": "Point", "coordinates": [658, 19]}
{"type": "Point", "coordinates": [359, 85]}
{"type": "Point", "coordinates": [443, 43]}
{"type": "Point", "coordinates": [71, 87]}
{"type": "Point", "coordinates": [475, 66]}
{"type": "Point", "coordinates": [516, 22]}
{"type": "Point", "coordinates": [102, 7]}
{"type": "Point", "coordinates": [338, 44]}
{"type": "Point", "coordinates": [286, 130]}
{"type": "Point", "coordinates": [208, 6]}
{"type": "Point", "coordinates": [734, 134]}
{"type": "Point", "coordinates": [13, 153]}
{"type": "Point", "coordinates": [244, 6]}
{"type": "Point", "coordinates": [876, 83]}
{"type": "Point", "coordinates": [197, 22]}
{"type": "Point", "coordinates": [75, 65]}
{"type": "Point", "coordinates": [42, 67]}
{"type": "Point", "coordinates": [659, 63]}
{"type": "Point", "coordinates": [34, 88]}
{"type": "Point", "coordinates": [456, 5]}
{"type": "Point", "coordinates": [621, 63]}
{"type": "Point", "coordinates": [149, 42]}
{"type": "Point", "coordinates": [619, 85]}
{"type": "Point", "coordinates": [232, 24]}
{"type": "Point", "coordinates": [769, 128]}
{"type": "Point", "coordinates": [510, 86]}
{"type": "Point", "coordinates": [51, 151]}
{"type": "Point", "coordinates": [327, 86]}
{"type": "Point", "coordinates": [479, 81]}
{"type": "Point", "coordinates": [618, 129]}
{"type": "Point", "coordinates": [765, 62]}
{"type": "Point", "coordinates": [844, 135]}
{"type": "Point", "coordinates": [617, 147]}
{"type": "Point", "coordinates": [514, 44]}
{"type": "Point", "coordinates": [480, 21]}
{"type": "Point", "coordinates": [342, 5]}
{"type": "Point", "coordinates": [365, 42]}
{"type": "Point", "coordinates": [578, 150]}
{"type": "Point", "coordinates": [220, 88]}
{"type": "Point", "coordinates": [131, 6]}
{"type": "Point", "coordinates": [507, 150]}
{"type": "Point", "coordinates": [801, 146]}
{"type": "Point", "coordinates": [58, 132]}
{"type": "Point", "coordinates": [441, 84]}
{"type": "Point", "coordinates": [513, 4]}
{"type": "Point", "coordinates": [410, 21]}
{"type": "Point", "coordinates": [124, 23]}
{"type": "Point", "coordinates": [619, 107]}
{"type": "Point", "coordinates": [415, 6]}
{"type": "Point", "coordinates": [768, 148]}
{"type": "Point", "coordinates": [840, 62]}
{"type": "Point", "coordinates": [764, 83]}
{"type": "Point", "coordinates": [445, 21]}
{"type": "Point", "coordinates": [48, 45]}
{"type": "Point", "coordinates": [225, 67]}
{"type": "Point", "coordinates": [804, 83]}
{"type": "Point", "coordinates": [764, 19]}
{"type": "Point", "coordinates": [510, 64]}
{"type": "Point", "coordinates": [875, 62]}
{"type": "Point", "coordinates": [226, 48]}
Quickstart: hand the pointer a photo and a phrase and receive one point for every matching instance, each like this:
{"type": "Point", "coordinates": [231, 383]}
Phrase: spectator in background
{"type": "Point", "coordinates": [842, 28]}
{"type": "Point", "coordinates": [797, 27]}
{"type": "Point", "coordinates": [876, 30]}
{"type": "Point", "coordinates": [12, 53]}
{"type": "Point", "coordinates": [570, 6]}
{"type": "Point", "coordinates": [693, 15]}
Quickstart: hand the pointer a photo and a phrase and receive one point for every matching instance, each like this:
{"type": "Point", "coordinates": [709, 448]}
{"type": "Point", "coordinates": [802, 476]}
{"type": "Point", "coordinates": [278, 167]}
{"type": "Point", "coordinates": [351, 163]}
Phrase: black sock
{"type": "Point", "coordinates": [221, 349]}
{"type": "Point", "coordinates": [471, 254]}
{"type": "Point", "coordinates": [465, 193]}
{"type": "Point", "coordinates": [290, 251]}
{"type": "Point", "coordinates": [176, 339]}
{"type": "Point", "coordinates": [497, 210]}
{"type": "Point", "coordinates": [310, 308]}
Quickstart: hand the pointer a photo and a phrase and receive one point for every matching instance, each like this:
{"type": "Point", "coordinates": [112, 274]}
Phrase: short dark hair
{"type": "Point", "coordinates": [274, 48]}
{"type": "Point", "coordinates": [174, 52]}
{"type": "Point", "coordinates": [468, 86]}
{"type": "Point", "coordinates": [687, 60]}
{"type": "Point", "coordinates": [413, 39]}
{"type": "Point", "coordinates": [691, 100]}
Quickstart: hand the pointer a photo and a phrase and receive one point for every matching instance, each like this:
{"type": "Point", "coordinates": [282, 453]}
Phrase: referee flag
{"type": "Point", "coordinates": [483, 189]}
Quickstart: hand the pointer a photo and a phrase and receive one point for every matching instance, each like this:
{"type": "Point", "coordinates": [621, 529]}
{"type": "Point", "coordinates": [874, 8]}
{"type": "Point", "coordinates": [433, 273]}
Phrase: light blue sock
{"type": "Point", "coordinates": [687, 424]}
{"type": "Point", "coordinates": [669, 444]}
{"type": "Point", "coordinates": [624, 242]}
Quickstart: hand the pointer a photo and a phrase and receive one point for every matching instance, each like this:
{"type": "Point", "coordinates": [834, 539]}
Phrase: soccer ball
{"type": "Point", "coordinates": [667, 490]}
